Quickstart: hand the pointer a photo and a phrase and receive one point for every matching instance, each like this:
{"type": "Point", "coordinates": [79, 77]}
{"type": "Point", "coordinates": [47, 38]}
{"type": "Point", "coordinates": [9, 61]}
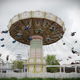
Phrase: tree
{"type": "Point", "coordinates": [51, 60]}
{"type": "Point", "coordinates": [17, 65]}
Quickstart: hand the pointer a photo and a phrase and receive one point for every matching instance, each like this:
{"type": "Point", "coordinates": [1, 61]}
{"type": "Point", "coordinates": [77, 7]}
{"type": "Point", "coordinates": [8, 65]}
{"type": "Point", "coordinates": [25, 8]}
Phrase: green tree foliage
{"type": "Point", "coordinates": [51, 60]}
{"type": "Point", "coordinates": [17, 64]}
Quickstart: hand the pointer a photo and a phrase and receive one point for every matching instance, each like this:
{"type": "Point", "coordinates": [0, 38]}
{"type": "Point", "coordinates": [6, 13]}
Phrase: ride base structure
{"type": "Point", "coordinates": [36, 62]}
{"type": "Point", "coordinates": [36, 28]}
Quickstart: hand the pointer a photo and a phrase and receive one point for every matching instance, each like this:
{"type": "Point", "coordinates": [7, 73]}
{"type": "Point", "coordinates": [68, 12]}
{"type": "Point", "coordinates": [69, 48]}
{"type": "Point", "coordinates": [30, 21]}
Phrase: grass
{"type": "Point", "coordinates": [39, 79]}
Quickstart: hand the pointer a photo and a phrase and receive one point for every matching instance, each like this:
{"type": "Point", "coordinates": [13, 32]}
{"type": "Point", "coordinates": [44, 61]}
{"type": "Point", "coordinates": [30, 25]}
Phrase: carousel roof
{"type": "Point", "coordinates": [27, 24]}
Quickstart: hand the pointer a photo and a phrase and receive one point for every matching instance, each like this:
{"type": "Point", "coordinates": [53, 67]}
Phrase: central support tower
{"type": "Point", "coordinates": [36, 62]}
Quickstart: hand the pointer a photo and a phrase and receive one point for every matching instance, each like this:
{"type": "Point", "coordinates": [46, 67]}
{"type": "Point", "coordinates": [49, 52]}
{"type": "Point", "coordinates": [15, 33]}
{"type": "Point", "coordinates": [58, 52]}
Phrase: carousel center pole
{"type": "Point", "coordinates": [36, 62]}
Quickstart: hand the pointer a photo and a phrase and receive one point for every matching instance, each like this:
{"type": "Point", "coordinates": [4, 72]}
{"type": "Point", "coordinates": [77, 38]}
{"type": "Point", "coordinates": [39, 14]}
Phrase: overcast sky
{"type": "Point", "coordinates": [67, 10]}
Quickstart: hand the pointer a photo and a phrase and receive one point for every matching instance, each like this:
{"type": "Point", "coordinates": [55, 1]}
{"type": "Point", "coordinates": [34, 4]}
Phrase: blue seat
{"type": "Point", "coordinates": [14, 41]}
{"type": "Point", "coordinates": [73, 33]}
{"type": "Point", "coordinates": [5, 31]}
{"type": "Point", "coordinates": [27, 28]}
{"type": "Point", "coordinates": [2, 45]}
{"type": "Point", "coordinates": [30, 38]}
{"type": "Point", "coordinates": [2, 39]}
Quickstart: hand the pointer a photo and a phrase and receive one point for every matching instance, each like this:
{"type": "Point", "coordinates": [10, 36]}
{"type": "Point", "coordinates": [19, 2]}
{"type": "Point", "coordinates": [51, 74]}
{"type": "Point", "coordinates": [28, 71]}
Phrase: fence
{"type": "Point", "coordinates": [65, 71]}
{"type": "Point", "coordinates": [41, 75]}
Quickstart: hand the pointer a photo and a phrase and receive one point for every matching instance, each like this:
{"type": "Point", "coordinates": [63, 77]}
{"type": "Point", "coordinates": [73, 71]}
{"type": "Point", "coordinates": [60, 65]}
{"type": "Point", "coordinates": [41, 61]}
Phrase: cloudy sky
{"type": "Point", "coordinates": [67, 10]}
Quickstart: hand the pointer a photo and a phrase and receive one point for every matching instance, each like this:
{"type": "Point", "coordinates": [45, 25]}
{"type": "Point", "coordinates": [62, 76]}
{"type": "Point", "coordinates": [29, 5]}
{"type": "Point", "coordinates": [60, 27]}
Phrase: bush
{"type": "Point", "coordinates": [52, 69]}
